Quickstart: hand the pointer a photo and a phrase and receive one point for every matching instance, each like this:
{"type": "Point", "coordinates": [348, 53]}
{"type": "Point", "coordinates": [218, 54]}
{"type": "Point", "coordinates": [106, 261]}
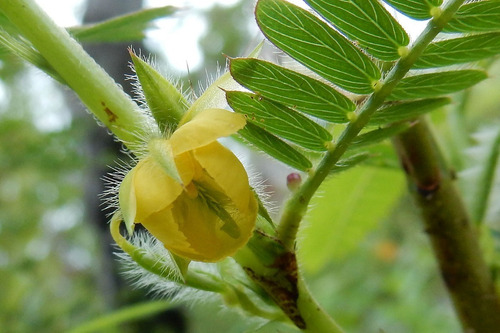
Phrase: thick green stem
{"type": "Point", "coordinates": [454, 238]}
{"type": "Point", "coordinates": [297, 205]}
{"type": "Point", "coordinates": [104, 98]}
{"type": "Point", "coordinates": [317, 320]}
{"type": "Point", "coordinates": [274, 269]}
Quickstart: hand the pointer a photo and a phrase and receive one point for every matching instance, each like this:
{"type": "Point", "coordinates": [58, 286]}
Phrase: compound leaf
{"type": "Point", "coordinates": [315, 44]}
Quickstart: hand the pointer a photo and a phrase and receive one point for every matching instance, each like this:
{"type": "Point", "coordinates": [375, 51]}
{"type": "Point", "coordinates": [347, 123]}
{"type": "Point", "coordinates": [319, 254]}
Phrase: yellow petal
{"type": "Point", "coordinates": [154, 190]}
{"type": "Point", "coordinates": [185, 166]}
{"type": "Point", "coordinates": [204, 229]}
{"type": "Point", "coordinates": [206, 127]}
{"type": "Point", "coordinates": [190, 229]}
{"type": "Point", "coordinates": [227, 171]}
{"type": "Point", "coordinates": [127, 200]}
{"type": "Point", "coordinates": [164, 228]}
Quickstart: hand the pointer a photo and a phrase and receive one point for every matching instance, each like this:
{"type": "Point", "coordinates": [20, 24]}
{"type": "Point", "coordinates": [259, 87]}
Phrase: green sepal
{"type": "Point", "coordinates": [181, 265]}
{"type": "Point", "coordinates": [129, 27]}
{"type": "Point", "coordinates": [166, 102]}
{"type": "Point", "coordinates": [128, 204]}
{"type": "Point", "coordinates": [161, 151]}
{"type": "Point", "coordinates": [355, 18]}
{"type": "Point", "coordinates": [264, 213]}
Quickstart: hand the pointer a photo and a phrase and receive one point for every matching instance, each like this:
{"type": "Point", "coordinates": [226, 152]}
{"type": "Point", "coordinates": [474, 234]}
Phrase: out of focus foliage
{"type": "Point", "coordinates": [371, 272]}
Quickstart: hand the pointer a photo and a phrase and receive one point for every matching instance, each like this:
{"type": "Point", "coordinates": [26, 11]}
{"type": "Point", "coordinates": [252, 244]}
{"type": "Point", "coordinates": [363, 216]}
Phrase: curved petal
{"type": "Point", "coordinates": [206, 127]}
{"type": "Point", "coordinates": [185, 166]}
{"type": "Point", "coordinates": [164, 228]}
{"type": "Point", "coordinates": [154, 190]}
{"type": "Point", "coordinates": [190, 229]}
{"type": "Point", "coordinates": [127, 200]}
{"type": "Point", "coordinates": [204, 229]}
{"type": "Point", "coordinates": [227, 171]}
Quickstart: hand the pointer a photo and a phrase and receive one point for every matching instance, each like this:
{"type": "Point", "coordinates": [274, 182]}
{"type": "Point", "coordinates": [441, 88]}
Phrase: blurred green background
{"type": "Point", "coordinates": [362, 249]}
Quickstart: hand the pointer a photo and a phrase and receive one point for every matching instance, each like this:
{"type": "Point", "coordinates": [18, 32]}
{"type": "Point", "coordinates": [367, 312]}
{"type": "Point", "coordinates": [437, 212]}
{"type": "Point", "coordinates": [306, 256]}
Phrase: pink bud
{"type": "Point", "coordinates": [293, 181]}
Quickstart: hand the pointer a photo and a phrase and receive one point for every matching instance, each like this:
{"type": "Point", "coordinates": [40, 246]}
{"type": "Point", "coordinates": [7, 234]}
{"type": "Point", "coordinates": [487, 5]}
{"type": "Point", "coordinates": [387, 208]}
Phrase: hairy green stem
{"type": "Point", "coordinates": [454, 238]}
{"type": "Point", "coordinates": [296, 206]}
{"type": "Point", "coordinates": [274, 269]}
{"type": "Point", "coordinates": [103, 97]}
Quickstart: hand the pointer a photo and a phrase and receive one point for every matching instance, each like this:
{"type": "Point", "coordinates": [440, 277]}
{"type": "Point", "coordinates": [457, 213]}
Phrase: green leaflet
{"type": "Point", "coordinates": [128, 27]}
{"type": "Point", "coordinates": [436, 84]}
{"type": "Point", "coordinates": [481, 16]}
{"type": "Point", "coordinates": [378, 135]}
{"type": "Point", "coordinates": [316, 45]}
{"type": "Point", "coordinates": [417, 9]}
{"type": "Point", "coordinates": [275, 147]}
{"type": "Point", "coordinates": [20, 47]}
{"type": "Point", "coordinates": [292, 89]}
{"type": "Point", "coordinates": [399, 111]}
{"type": "Point", "coordinates": [349, 162]}
{"type": "Point", "coordinates": [167, 104]}
{"type": "Point", "coordinates": [279, 120]}
{"type": "Point", "coordinates": [356, 18]}
{"type": "Point", "coordinates": [460, 50]}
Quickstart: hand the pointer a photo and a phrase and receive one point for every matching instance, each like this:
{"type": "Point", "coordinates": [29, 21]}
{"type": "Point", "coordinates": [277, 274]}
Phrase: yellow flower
{"type": "Point", "coordinates": [192, 193]}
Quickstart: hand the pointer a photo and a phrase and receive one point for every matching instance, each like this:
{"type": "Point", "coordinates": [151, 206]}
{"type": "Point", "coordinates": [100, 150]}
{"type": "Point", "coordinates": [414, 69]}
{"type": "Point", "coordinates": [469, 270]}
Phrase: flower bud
{"type": "Point", "coordinates": [293, 181]}
{"type": "Point", "coordinates": [206, 210]}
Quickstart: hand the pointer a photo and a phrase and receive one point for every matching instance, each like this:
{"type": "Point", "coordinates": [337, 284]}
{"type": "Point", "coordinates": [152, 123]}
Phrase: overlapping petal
{"type": "Point", "coordinates": [203, 208]}
{"type": "Point", "coordinates": [206, 127]}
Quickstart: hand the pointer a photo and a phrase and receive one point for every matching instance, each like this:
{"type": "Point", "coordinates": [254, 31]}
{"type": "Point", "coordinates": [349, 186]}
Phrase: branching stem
{"type": "Point", "coordinates": [296, 206]}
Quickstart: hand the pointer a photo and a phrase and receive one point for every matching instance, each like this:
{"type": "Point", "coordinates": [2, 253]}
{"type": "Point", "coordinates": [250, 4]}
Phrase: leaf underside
{"type": "Point", "coordinates": [459, 50]}
{"type": "Point", "coordinates": [416, 9]}
{"type": "Point", "coordinates": [275, 147]}
{"type": "Point", "coordinates": [480, 16]}
{"type": "Point", "coordinates": [316, 45]}
{"type": "Point", "coordinates": [280, 120]}
{"type": "Point", "coordinates": [356, 17]}
{"type": "Point", "coordinates": [292, 89]}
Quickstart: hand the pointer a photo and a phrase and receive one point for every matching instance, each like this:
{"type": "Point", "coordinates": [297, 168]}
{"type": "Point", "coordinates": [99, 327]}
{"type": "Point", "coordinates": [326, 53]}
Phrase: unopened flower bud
{"type": "Point", "coordinates": [293, 181]}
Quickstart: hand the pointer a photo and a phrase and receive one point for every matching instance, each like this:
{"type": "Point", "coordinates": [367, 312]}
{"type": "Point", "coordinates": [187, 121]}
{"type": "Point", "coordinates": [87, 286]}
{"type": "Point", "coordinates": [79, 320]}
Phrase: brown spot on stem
{"type": "Point", "coordinates": [111, 116]}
